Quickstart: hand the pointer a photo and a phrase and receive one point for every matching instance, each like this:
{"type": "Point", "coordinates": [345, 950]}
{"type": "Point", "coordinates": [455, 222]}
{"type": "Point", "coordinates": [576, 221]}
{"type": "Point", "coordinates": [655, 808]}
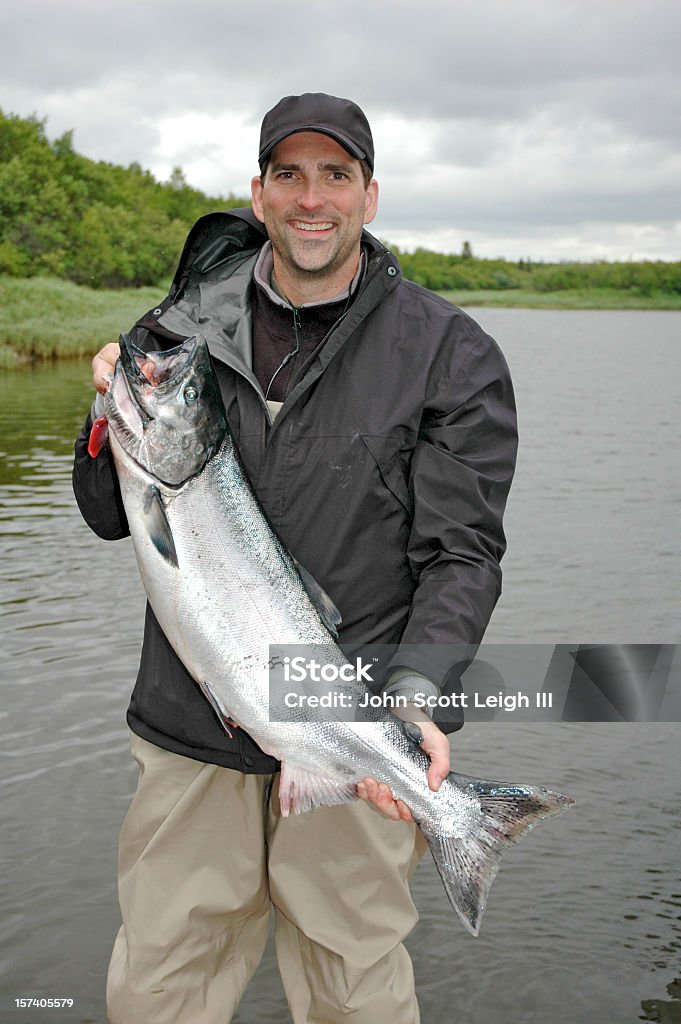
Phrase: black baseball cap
{"type": "Point", "coordinates": [316, 112]}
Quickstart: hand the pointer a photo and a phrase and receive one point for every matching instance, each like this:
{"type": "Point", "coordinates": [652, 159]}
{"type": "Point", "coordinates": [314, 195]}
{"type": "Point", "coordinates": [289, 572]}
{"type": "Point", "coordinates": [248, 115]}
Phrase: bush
{"type": "Point", "coordinates": [90, 222]}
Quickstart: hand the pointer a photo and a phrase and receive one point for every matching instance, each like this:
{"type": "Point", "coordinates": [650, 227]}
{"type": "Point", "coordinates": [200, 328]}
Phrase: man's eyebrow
{"type": "Point", "coordinates": [339, 168]}
{"type": "Point", "coordinates": [285, 167]}
{"type": "Point", "coordinates": [342, 168]}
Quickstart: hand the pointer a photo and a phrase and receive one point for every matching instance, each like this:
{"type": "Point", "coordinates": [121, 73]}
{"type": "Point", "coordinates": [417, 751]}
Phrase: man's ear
{"type": "Point", "coordinates": [256, 197]}
{"type": "Point", "coordinates": [371, 201]}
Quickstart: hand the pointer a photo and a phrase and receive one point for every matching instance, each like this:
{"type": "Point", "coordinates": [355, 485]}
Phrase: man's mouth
{"type": "Point", "coordinates": [302, 225]}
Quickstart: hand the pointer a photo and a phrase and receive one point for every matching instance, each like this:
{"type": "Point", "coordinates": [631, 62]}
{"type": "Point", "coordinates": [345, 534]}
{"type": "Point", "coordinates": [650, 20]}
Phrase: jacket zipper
{"type": "Point", "coordinates": [268, 421]}
{"type": "Point", "coordinates": [298, 373]}
{"type": "Point", "coordinates": [298, 338]}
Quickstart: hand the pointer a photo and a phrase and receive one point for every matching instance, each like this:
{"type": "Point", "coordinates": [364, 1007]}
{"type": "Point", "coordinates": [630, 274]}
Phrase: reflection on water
{"type": "Point", "coordinates": [584, 919]}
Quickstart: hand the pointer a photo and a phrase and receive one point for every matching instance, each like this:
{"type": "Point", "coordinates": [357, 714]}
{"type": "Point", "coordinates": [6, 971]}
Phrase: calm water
{"type": "Point", "coordinates": [584, 920]}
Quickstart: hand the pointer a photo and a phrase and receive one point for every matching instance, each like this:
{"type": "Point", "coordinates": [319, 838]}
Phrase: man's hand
{"type": "Point", "coordinates": [104, 363]}
{"type": "Point", "coordinates": [436, 746]}
{"type": "Point", "coordinates": [103, 367]}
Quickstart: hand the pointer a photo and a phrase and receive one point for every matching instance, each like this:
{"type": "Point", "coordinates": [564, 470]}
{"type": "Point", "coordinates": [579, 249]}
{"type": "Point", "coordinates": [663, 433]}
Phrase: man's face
{"type": "Point", "coordinates": [314, 204]}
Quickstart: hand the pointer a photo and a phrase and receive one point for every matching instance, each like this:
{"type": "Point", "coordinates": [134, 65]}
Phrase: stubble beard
{"type": "Point", "coordinates": [311, 259]}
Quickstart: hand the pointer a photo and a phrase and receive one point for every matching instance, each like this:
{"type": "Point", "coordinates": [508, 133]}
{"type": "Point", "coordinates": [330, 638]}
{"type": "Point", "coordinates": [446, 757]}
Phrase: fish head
{"type": "Point", "coordinates": [165, 409]}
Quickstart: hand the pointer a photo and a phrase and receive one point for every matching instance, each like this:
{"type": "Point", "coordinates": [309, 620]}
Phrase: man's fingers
{"type": "Point", "coordinates": [439, 769]}
{"type": "Point", "coordinates": [404, 812]}
{"type": "Point", "coordinates": [436, 746]}
{"type": "Point", "coordinates": [381, 797]}
{"type": "Point", "coordinates": [103, 366]}
{"type": "Point", "coordinates": [434, 777]}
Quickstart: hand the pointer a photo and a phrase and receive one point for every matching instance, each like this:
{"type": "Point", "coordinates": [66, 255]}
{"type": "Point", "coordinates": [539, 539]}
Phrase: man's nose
{"type": "Point", "coordinates": [310, 196]}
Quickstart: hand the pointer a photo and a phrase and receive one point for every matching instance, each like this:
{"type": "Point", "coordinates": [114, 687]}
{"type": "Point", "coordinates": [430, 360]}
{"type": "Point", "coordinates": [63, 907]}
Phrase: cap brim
{"type": "Point", "coordinates": [346, 143]}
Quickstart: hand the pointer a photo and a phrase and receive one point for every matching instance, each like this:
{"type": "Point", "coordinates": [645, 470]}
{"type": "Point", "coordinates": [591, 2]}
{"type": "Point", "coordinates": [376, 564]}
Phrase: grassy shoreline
{"type": "Point", "coordinates": [43, 318]}
{"type": "Point", "coordinates": [583, 298]}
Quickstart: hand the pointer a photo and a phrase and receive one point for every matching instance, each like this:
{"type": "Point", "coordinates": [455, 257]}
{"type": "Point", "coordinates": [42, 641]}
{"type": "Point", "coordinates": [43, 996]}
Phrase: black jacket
{"type": "Point", "coordinates": [386, 472]}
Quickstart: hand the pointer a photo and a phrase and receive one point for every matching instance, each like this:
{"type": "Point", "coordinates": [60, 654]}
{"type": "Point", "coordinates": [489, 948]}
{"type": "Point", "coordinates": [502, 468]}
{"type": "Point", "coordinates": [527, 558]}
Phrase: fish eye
{"type": "Point", "coordinates": [190, 394]}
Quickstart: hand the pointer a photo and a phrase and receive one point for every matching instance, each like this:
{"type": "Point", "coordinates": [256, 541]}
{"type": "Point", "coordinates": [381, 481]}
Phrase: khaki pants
{"type": "Point", "coordinates": [204, 853]}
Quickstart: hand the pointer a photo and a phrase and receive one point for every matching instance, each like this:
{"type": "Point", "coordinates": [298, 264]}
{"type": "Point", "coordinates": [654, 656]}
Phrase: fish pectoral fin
{"type": "Point", "coordinates": [468, 863]}
{"type": "Point", "coordinates": [158, 527]}
{"type": "Point", "coordinates": [225, 719]}
{"type": "Point", "coordinates": [300, 790]}
{"type": "Point", "coordinates": [327, 610]}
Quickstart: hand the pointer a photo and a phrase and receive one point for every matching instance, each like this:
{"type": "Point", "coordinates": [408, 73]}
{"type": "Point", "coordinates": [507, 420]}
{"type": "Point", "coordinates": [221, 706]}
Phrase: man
{"type": "Point", "coordinates": [376, 423]}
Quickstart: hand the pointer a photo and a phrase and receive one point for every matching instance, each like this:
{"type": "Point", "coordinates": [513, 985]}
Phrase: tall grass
{"type": "Point", "coordinates": [45, 318]}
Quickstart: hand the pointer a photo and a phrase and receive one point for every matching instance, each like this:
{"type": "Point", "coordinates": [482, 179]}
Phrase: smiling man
{"type": "Point", "coordinates": [314, 202]}
{"type": "Point", "coordinates": [377, 425]}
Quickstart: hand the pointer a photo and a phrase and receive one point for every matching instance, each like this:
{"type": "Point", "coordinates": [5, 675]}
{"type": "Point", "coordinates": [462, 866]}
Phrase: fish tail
{"type": "Point", "coordinates": [468, 864]}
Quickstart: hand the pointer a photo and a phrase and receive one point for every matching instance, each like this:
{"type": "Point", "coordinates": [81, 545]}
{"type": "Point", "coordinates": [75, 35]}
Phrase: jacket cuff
{"type": "Point", "coordinates": [410, 684]}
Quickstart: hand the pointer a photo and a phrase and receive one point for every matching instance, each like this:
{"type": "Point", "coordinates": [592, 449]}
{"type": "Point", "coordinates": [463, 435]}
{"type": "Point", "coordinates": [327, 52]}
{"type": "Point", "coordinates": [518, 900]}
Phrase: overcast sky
{"type": "Point", "coordinates": [541, 128]}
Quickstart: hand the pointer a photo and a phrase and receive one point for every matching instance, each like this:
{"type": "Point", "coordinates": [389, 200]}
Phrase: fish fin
{"type": "Point", "coordinates": [99, 431]}
{"type": "Point", "coordinates": [328, 612]}
{"type": "Point", "coordinates": [300, 790]}
{"type": "Point", "coordinates": [157, 525]}
{"type": "Point", "coordinates": [468, 864]}
{"type": "Point", "coordinates": [226, 720]}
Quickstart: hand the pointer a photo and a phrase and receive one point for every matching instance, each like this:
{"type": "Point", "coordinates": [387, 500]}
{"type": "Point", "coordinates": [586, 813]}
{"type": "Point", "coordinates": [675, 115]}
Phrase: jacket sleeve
{"type": "Point", "coordinates": [95, 485]}
{"type": "Point", "coordinates": [460, 476]}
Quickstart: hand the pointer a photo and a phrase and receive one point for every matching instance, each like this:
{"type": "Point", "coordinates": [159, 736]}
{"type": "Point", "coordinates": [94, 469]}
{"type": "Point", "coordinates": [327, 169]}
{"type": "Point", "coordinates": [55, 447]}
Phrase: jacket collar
{"type": "Point", "coordinates": [221, 237]}
{"type": "Point", "coordinates": [263, 275]}
{"type": "Point", "coordinates": [226, 246]}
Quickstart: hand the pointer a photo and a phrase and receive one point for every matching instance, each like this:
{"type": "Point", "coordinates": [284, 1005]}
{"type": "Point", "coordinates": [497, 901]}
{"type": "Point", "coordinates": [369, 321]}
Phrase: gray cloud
{"type": "Point", "coordinates": [507, 119]}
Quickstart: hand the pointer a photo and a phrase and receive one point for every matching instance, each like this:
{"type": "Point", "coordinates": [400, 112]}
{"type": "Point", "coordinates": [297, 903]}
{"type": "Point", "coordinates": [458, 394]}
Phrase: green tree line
{"type": "Point", "coordinates": [451, 273]}
{"type": "Point", "coordinates": [87, 221]}
{"type": "Point", "coordinates": [108, 226]}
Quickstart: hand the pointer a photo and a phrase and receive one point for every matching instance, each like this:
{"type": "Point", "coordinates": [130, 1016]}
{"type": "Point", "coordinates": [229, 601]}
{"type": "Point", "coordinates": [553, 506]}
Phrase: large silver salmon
{"type": "Point", "coordinates": [225, 590]}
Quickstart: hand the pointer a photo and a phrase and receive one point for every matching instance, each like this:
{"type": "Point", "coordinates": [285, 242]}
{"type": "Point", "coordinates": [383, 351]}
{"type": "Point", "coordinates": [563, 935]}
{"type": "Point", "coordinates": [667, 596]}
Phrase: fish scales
{"type": "Point", "coordinates": [226, 593]}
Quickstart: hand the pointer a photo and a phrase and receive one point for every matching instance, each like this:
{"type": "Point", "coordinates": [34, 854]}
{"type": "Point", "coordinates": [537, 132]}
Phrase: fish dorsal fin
{"type": "Point", "coordinates": [158, 527]}
{"type": "Point", "coordinates": [328, 612]}
{"type": "Point", "coordinates": [300, 790]}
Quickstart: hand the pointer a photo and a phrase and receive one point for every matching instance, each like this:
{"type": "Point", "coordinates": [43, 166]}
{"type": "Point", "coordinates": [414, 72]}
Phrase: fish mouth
{"type": "Point", "coordinates": [159, 373]}
{"type": "Point", "coordinates": [142, 379]}
{"type": "Point", "coordinates": [166, 410]}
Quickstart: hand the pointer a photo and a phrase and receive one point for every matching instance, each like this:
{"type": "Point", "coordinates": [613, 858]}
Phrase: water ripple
{"type": "Point", "coordinates": [584, 919]}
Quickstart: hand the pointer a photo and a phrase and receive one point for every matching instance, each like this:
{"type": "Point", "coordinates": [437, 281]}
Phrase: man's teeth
{"type": "Point", "coordinates": [311, 227]}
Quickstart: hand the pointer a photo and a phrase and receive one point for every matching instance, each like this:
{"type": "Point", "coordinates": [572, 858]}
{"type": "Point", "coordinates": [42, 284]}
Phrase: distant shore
{"type": "Point", "coordinates": [578, 298]}
{"type": "Point", "coordinates": [44, 318]}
